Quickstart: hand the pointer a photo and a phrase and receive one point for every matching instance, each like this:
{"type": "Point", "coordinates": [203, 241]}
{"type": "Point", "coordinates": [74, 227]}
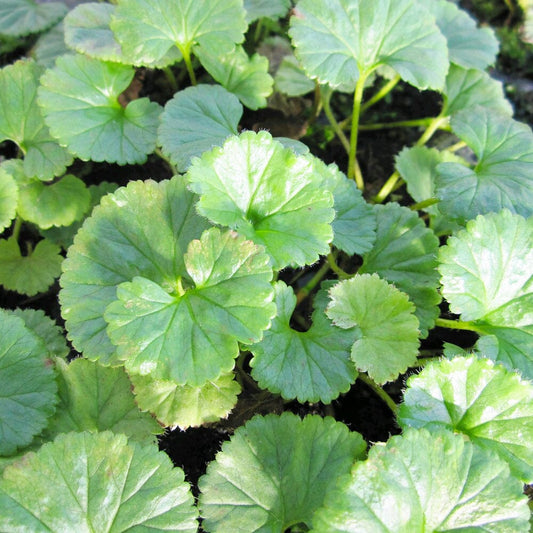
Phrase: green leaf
{"type": "Point", "coordinates": [487, 277]}
{"type": "Point", "coordinates": [46, 329]}
{"type": "Point", "coordinates": [468, 45]}
{"type": "Point", "coordinates": [21, 121]}
{"type": "Point", "coordinates": [59, 204]}
{"type": "Point", "coordinates": [185, 406]}
{"type": "Point", "coordinates": [385, 325]}
{"type": "Point", "coordinates": [267, 193]}
{"type": "Point", "coordinates": [8, 198]}
{"type": "Point", "coordinates": [50, 46]}
{"type": "Point", "coordinates": [424, 481]}
{"type": "Point", "coordinates": [356, 37]}
{"type": "Point", "coordinates": [64, 235]}
{"type": "Point", "coordinates": [96, 398]}
{"type": "Point", "coordinates": [469, 87]}
{"type": "Point", "coordinates": [488, 403]}
{"type": "Point", "coordinates": [275, 471]}
{"type": "Point", "coordinates": [32, 273]}
{"type": "Point", "coordinates": [149, 30]}
{"type": "Point", "coordinates": [405, 254]}
{"type": "Point", "coordinates": [190, 334]}
{"type": "Point", "coordinates": [80, 102]}
{"type": "Point", "coordinates": [502, 176]}
{"type": "Point", "coordinates": [83, 480]}
{"type": "Point", "coordinates": [29, 390]}
{"type": "Point", "coordinates": [354, 226]}
{"type": "Point", "coordinates": [291, 78]}
{"type": "Point", "coordinates": [116, 244]}
{"type": "Point", "coordinates": [21, 17]}
{"type": "Point", "coordinates": [310, 366]}
{"type": "Point", "coordinates": [245, 77]}
{"type": "Point", "coordinates": [272, 9]}
{"type": "Point", "coordinates": [195, 120]}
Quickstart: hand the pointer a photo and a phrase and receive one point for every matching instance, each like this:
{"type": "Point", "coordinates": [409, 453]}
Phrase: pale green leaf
{"type": "Point", "coordinates": [341, 40]}
{"type": "Point", "coordinates": [502, 176]}
{"type": "Point", "coordinates": [245, 77]}
{"type": "Point", "coordinates": [195, 120]}
{"type": "Point", "coordinates": [487, 278]}
{"type": "Point", "coordinates": [190, 332]}
{"type": "Point", "coordinates": [29, 390]}
{"type": "Point", "coordinates": [116, 244]}
{"type": "Point", "coordinates": [405, 254]}
{"type": "Point", "coordinates": [267, 193]}
{"type": "Point", "coordinates": [8, 198]}
{"type": "Point", "coordinates": [21, 17]}
{"type": "Point", "coordinates": [96, 398]}
{"type": "Point", "coordinates": [50, 46]}
{"type": "Point", "coordinates": [185, 406]}
{"type": "Point", "coordinates": [21, 121]}
{"type": "Point", "coordinates": [310, 366]}
{"type": "Point", "coordinates": [469, 87]}
{"type": "Point", "coordinates": [96, 482]}
{"type": "Point", "coordinates": [386, 329]}
{"type": "Point", "coordinates": [272, 9]}
{"type": "Point", "coordinates": [468, 45]}
{"type": "Point", "coordinates": [275, 471]}
{"type": "Point", "coordinates": [29, 274]}
{"type": "Point", "coordinates": [80, 102]}
{"type": "Point", "coordinates": [424, 481]}
{"type": "Point", "coordinates": [291, 78]}
{"type": "Point", "coordinates": [58, 204]}
{"type": "Point", "coordinates": [149, 30]}
{"type": "Point", "coordinates": [46, 329]}
{"type": "Point", "coordinates": [488, 403]}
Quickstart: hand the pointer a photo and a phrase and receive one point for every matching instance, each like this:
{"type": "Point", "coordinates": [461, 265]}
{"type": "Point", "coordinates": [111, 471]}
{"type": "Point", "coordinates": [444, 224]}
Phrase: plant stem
{"type": "Point", "coordinates": [387, 188]}
{"type": "Point", "coordinates": [433, 126]}
{"type": "Point", "coordinates": [169, 75]}
{"type": "Point", "coordinates": [456, 146]}
{"type": "Point", "coordinates": [384, 91]}
{"type": "Point", "coordinates": [16, 228]}
{"type": "Point", "coordinates": [160, 154]}
{"type": "Point", "coordinates": [334, 124]}
{"type": "Point", "coordinates": [336, 268]}
{"type": "Point", "coordinates": [380, 392]}
{"type": "Point", "coordinates": [188, 63]}
{"type": "Point", "coordinates": [354, 171]}
{"type": "Point", "coordinates": [317, 104]}
{"type": "Point", "coordinates": [312, 283]}
{"type": "Point", "coordinates": [399, 124]}
{"type": "Point", "coordinates": [456, 324]}
{"type": "Point", "coordinates": [425, 203]}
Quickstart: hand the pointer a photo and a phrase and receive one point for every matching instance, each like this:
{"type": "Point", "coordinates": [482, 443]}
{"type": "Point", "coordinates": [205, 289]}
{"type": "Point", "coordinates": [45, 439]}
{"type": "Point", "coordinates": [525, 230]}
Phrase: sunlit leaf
{"type": "Point", "coordinates": [8, 199]}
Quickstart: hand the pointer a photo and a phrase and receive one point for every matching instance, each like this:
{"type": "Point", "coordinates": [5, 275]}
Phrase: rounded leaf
{"type": "Point", "coordinates": [424, 481]}
{"type": "Point", "coordinates": [356, 37]}
{"type": "Point", "coordinates": [385, 325]}
{"type": "Point", "coordinates": [190, 335]}
{"type": "Point", "coordinates": [50, 46]}
{"type": "Point", "coordinates": [80, 102]}
{"type": "Point", "coordinates": [8, 199]}
{"type": "Point", "coordinates": [83, 481]}
{"type": "Point", "coordinates": [310, 366]}
{"type": "Point", "coordinates": [275, 471]}
{"type": "Point", "coordinates": [29, 390]}
{"type": "Point", "coordinates": [21, 17]}
{"type": "Point", "coordinates": [195, 120]}
{"type": "Point", "coordinates": [115, 244]}
{"type": "Point", "coordinates": [267, 193]}
{"type": "Point", "coordinates": [272, 9]}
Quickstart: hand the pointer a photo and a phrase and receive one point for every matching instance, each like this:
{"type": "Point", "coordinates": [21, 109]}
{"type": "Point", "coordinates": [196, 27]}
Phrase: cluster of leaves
{"type": "Point", "coordinates": [170, 288]}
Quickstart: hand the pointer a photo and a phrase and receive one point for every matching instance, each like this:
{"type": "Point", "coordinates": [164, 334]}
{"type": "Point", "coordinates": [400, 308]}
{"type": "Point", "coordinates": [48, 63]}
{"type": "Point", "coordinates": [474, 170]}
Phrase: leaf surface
{"type": "Point", "coordinates": [383, 317]}
{"type": "Point", "coordinates": [357, 37]}
{"type": "Point", "coordinates": [488, 403]}
{"type": "Point", "coordinates": [80, 102]}
{"type": "Point", "coordinates": [405, 254]}
{"type": "Point", "coordinates": [195, 120]}
{"type": "Point", "coordinates": [29, 274]}
{"type": "Point", "coordinates": [310, 366]}
{"type": "Point", "coordinates": [502, 176]}
{"type": "Point", "coordinates": [191, 335]}
{"type": "Point", "coordinates": [50, 46]}
{"type": "Point", "coordinates": [272, 9]}
{"type": "Point", "coordinates": [267, 193]}
{"type": "Point", "coordinates": [83, 479]}
{"type": "Point", "coordinates": [22, 17]}
{"type": "Point", "coordinates": [21, 121]}
{"type": "Point", "coordinates": [8, 198]}
{"type": "Point", "coordinates": [291, 78]}
{"type": "Point", "coordinates": [434, 482]}
{"type": "Point", "coordinates": [29, 390]}
{"type": "Point", "coordinates": [186, 406]}
{"type": "Point", "coordinates": [149, 30]}
{"type": "Point", "coordinates": [116, 244]}
{"type": "Point", "coordinates": [275, 471]}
